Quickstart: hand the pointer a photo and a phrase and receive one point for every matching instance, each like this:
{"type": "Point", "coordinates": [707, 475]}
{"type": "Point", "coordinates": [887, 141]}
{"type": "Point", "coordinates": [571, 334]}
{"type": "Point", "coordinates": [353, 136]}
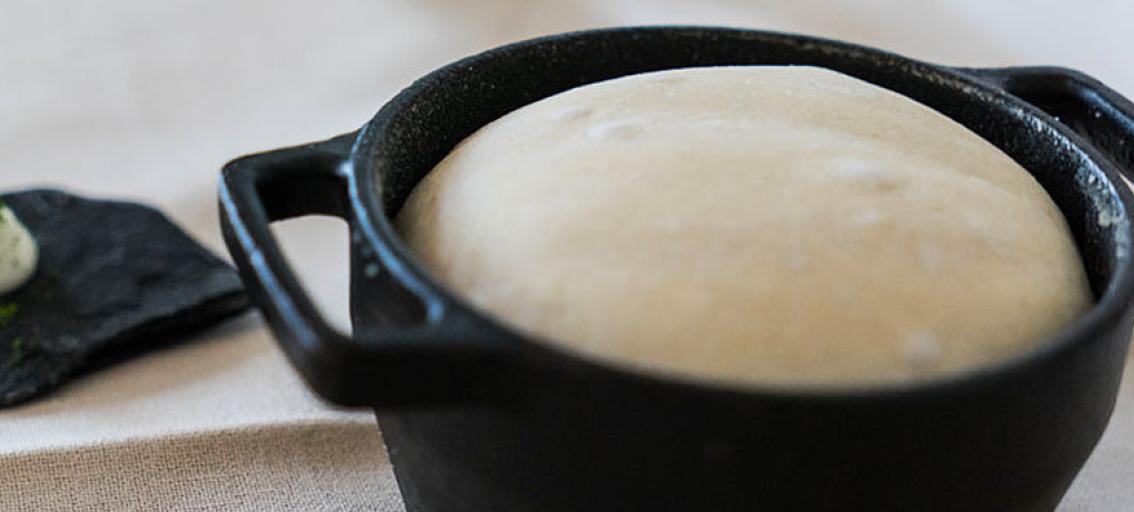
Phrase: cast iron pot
{"type": "Point", "coordinates": [478, 417]}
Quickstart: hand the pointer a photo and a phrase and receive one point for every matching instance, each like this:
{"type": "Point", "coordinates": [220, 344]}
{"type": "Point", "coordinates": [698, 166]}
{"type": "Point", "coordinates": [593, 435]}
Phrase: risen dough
{"type": "Point", "coordinates": [759, 225]}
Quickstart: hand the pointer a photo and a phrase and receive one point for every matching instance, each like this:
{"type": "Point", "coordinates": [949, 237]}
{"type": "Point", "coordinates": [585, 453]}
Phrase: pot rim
{"type": "Point", "coordinates": [1115, 301]}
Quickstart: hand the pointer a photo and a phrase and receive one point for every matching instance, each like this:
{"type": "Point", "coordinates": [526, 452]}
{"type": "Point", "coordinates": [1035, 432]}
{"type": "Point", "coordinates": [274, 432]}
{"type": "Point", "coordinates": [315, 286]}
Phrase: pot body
{"type": "Point", "coordinates": [479, 418]}
{"type": "Point", "coordinates": [602, 441]}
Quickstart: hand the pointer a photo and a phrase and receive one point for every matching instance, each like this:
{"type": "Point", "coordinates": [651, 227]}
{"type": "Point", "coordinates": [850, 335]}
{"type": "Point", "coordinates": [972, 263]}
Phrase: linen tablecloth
{"type": "Point", "coordinates": [146, 100]}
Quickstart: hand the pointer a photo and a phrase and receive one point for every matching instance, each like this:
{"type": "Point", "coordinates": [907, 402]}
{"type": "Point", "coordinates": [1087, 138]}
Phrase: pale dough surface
{"type": "Point", "coordinates": [757, 225]}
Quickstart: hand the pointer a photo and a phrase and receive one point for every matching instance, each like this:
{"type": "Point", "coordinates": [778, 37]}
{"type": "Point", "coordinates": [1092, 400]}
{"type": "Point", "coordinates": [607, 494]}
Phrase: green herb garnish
{"type": "Point", "coordinates": [17, 347]}
{"type": "Point", "coordinates": [8, 313]}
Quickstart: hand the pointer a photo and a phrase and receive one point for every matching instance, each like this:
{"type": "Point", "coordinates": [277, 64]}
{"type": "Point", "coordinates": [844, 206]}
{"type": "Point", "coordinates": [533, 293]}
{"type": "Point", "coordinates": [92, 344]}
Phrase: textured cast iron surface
{"type": "Point", "coordinates": [114, 279]}
{"type": "Point", "coordinates": [540, 429]}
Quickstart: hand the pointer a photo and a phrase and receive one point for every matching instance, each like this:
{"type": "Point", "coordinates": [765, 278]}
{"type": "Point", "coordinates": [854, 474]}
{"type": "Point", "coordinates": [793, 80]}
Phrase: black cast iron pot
{"type": "Point", "coordinates": [478, 417]}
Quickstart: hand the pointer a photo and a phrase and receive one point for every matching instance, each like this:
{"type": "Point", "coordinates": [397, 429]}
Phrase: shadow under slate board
{"type": "Point", "coordinates": [114, 279]}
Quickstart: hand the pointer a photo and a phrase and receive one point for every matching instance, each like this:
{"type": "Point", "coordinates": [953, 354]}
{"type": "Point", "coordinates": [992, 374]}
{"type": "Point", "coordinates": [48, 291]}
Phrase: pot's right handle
{"type": "Point", "coordinates": [1096, 112]}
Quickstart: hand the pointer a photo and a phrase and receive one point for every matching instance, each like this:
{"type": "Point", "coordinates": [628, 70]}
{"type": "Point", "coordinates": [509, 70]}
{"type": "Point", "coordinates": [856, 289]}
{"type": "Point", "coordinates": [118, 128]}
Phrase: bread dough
{"type": "Point", "coordinates": [772, 226]}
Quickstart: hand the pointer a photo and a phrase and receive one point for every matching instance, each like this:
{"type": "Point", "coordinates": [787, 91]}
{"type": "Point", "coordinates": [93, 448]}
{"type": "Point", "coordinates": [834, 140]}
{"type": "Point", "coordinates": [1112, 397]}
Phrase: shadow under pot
{"type": "Point", "coordinates": [478, 417]}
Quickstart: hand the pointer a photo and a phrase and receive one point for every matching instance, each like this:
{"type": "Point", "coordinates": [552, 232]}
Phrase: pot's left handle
{"type": "Point", "coordinates": [400, 365]}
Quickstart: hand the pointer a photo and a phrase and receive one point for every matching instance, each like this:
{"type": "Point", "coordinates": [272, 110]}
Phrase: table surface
{"type": "Point", "coordinates": [146, 100]}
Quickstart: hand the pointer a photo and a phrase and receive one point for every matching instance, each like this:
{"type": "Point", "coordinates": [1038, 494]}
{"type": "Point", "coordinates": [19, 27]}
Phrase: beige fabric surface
{"type": "Point", "coordinates": [342, 469]}
{"type": "Point", "coordinates": [146, 100]}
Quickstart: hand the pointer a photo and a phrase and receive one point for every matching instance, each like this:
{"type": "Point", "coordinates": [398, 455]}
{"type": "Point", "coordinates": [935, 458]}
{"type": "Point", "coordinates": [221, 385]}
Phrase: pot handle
{"type": "Point", "coordinates": [1096, 112]}
{"type": "Point", "coordinates": [396, 365]}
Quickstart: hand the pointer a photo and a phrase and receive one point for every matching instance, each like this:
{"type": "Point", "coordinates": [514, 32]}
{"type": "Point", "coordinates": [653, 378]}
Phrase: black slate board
{"type": "Point", "coordinates": [114, 279]}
